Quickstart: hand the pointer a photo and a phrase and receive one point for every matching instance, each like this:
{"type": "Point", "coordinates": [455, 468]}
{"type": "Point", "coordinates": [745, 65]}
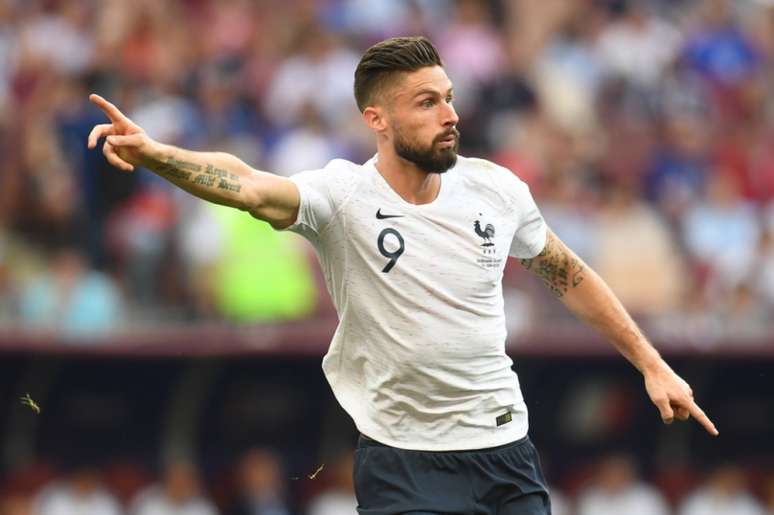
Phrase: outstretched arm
{"type": "Point", "coordinates": [214, 176]}
{"type": "Point", "coordinates": [588, 297]}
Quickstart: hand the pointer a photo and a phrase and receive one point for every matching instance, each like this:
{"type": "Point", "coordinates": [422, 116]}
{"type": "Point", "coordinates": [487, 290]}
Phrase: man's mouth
{"type": "Point", "coordinates": [449, 139]}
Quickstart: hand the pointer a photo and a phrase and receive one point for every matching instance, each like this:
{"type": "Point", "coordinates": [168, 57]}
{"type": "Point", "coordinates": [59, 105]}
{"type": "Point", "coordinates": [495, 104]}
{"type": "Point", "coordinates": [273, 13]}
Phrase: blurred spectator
{"type": "Point", "coordinates": [45, 170]}
{"type": "Point", "coordinates": [308, 146]}
{"type": "Point", "coordinates": [80, 493]}
{"type": "Point", "coordinates": [722, 231]}
{"type": "Point", "coordinates": [232, 25]}
{"type": "Point", "coordinates": [679, 169]}
{"type": "Point", "coordinates": [719, 50]}
{"type": "Point", "coordinates": [617, 490]}
{"type": "Point", "coordinates": [180, 493]}
{"type": "Point", "coordinates": [570, 209]}
{"type": "Point", "coordinates": [200, 239]}
{"type": "Point", "coordinates": [637, 45]}
{"type": "Point", "coordinates": [724, 492]}
{"type": "Point", "coordinates": [321, 72]}
{"type": "Point", "coordinates": [741, 314]}
{"type": "Point", "coordinates": [568, 76]}
{"type": "Point", "coordinates": [137, 236]}
{"type": "Point", "coordinates": [222, 112]}
{"type": "Point", "coordinates": [471, 48]}
{"type": "Point", "coordinates": [71, 297]}
{"type": "Point", "coordinates": [168, 117]}
{"type": "Point", "coordinates": [636, 254]}
{"type": "Point", "coordinates": [339, 497]}
{"type": "Point", "coordinates": [260, 483]}
{"type": "Point", "coordinates": [58, 36]}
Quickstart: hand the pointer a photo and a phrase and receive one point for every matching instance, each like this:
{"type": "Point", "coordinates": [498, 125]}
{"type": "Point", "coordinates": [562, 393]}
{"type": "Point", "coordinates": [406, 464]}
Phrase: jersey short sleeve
{"type": "Point", "coordinates": [322, 193]}
{"type": "Point", "coordinates": [530, 236]}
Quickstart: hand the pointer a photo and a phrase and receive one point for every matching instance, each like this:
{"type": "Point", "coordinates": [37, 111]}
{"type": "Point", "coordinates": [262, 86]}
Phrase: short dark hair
{"type": "Point", "coordinates": [385, 59]}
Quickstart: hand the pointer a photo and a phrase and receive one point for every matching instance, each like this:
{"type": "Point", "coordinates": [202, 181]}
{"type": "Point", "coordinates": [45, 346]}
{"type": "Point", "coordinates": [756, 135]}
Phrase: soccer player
{"type": "Point", "coordinates": [413, 244]}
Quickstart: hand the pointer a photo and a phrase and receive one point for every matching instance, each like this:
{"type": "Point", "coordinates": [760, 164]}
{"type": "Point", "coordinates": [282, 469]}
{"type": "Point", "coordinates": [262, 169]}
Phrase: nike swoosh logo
{"type": "Point", "coordinates": [380, 216]}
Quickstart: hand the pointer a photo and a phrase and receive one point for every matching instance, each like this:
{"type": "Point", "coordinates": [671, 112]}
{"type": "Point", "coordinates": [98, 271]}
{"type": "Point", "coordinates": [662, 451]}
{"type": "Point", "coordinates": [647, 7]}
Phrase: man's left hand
{"type": "Point", "coordinates": [674, 398]}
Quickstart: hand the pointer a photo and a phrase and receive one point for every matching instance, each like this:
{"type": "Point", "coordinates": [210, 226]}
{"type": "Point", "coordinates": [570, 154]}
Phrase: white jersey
{"type": "Point", "coordinates": [418, 359]}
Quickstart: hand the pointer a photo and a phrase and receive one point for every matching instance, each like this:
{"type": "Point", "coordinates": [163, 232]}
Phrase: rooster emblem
{"type": "Point", "coordinates": [487, 234]}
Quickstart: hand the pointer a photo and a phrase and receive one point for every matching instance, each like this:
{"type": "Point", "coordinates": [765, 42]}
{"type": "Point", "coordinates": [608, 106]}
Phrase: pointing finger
{"type": "Point", "coordinates": [98, 131]}
{"type": "Point", "coordinates": [697, 413]}
{"type": "Point", "coordinates": [109, 109]}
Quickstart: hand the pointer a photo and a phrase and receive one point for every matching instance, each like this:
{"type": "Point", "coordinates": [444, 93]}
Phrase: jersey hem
{"type": "Point", "coordinates": [470, 444]}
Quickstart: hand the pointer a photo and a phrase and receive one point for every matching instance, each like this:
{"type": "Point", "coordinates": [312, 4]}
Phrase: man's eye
{"type": "Point", "coordinates": [427, 103]}
{"type": "Point", "coordinates": [449, 99]}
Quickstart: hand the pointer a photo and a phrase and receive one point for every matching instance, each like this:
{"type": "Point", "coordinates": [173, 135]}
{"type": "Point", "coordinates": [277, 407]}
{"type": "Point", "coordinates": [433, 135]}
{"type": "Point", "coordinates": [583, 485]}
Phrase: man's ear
{"type": "Point", "coordinates": [375, 117]}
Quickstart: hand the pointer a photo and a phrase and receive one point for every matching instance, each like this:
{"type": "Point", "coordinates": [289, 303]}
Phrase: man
{"type": "Point", "coordinates": [413, 258]}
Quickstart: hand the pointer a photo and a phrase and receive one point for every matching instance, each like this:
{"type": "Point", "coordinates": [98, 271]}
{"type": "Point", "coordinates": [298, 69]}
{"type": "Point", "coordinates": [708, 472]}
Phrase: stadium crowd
{"type": "Point", "coordinates": [259, 485]}
{"type": "Point", "coordinates": [644, 127]}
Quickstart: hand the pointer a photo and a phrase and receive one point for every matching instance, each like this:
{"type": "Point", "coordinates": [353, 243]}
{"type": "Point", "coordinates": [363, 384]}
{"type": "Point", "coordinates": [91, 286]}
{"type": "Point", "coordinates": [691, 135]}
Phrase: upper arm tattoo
{"type": "Point", "coordinates": [559, 268]}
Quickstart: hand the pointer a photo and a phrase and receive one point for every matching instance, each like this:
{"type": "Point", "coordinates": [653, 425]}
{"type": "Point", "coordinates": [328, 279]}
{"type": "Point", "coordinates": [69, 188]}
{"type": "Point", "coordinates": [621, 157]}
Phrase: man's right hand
{"type": "Point", "coordinates": [126, 145]}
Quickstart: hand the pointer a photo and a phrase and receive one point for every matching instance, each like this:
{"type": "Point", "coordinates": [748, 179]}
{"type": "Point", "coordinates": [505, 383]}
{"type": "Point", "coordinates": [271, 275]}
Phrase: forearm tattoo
{"type": "Point", "coordinates": [556, 266]}
{"type": "Point", "coordinates": [209, 177]}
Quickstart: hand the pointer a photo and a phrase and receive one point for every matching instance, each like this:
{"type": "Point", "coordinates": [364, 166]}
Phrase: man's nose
{"type": "Point", "coordinates": [450, 115]}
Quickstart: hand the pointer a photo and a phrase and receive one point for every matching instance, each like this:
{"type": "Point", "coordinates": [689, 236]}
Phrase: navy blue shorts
{"type": "Point", "coordinates": [504, 480]}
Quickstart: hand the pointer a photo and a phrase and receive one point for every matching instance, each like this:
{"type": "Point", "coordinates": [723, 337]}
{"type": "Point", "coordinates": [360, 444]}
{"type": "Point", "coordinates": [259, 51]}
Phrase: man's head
{"type": "Point", "coordinates": [405, 97]}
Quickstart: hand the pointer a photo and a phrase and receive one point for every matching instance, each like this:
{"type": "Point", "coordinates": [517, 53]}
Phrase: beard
{"type": "Point", "coordinates": [430, 159]}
